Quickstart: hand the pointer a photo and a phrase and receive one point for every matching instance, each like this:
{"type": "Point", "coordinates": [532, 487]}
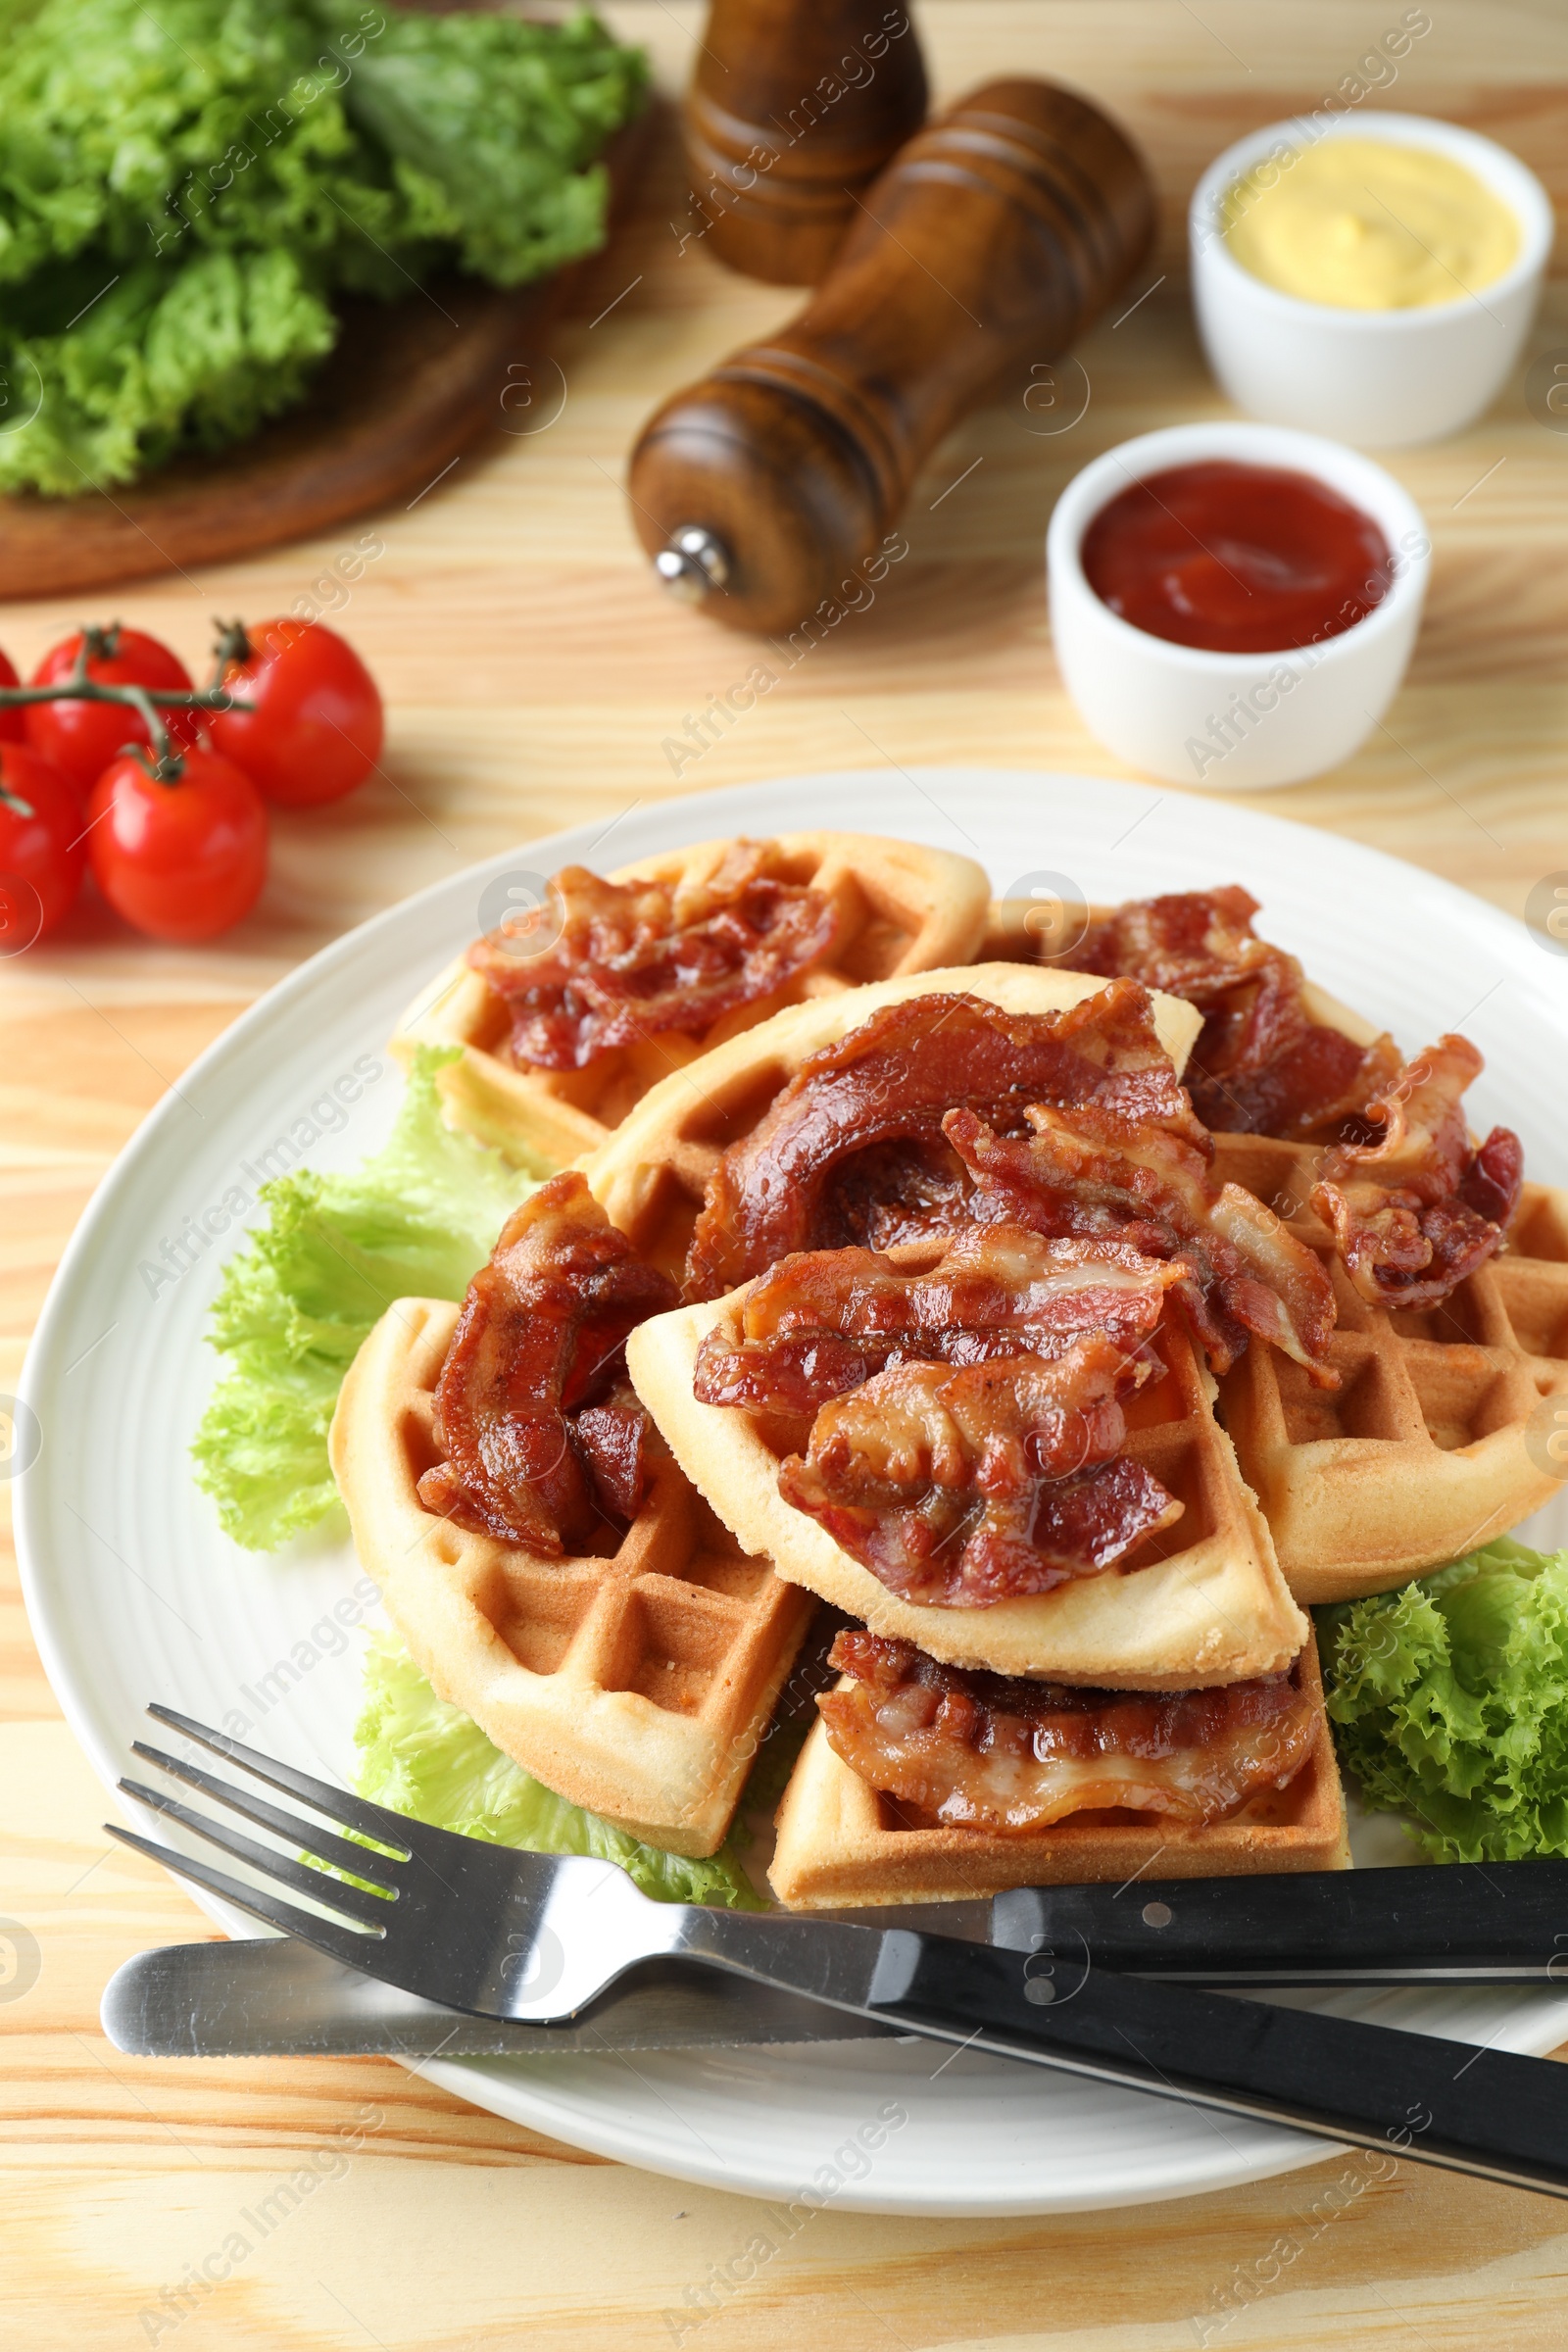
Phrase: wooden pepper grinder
{"type": "Point", "coordinates": [794, 108]}
{"type": "Point", "coordinates": [993, 238]}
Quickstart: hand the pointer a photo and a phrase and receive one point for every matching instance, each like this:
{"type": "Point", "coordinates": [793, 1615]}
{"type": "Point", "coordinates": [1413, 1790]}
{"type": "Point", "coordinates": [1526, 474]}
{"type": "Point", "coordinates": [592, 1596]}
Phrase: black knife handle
{"type": "Point", "coordinates": [1440, 2102]}
{"type": "Point", "coordinates": [1444, 1918]}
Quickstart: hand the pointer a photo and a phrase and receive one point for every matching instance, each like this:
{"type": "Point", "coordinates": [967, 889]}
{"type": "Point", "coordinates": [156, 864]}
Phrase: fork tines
{"type": "Point", "coordinates": [363, 1905]}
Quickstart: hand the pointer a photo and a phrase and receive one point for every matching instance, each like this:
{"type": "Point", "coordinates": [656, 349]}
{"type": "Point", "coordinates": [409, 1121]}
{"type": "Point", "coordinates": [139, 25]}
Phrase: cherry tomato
{"type": "Point", "coordinates": [182, 859]}
{"type": "Point", "coordinates": [317, 726]}
{"type": "Point", "coordinates": [13, 726]}
{"type": "Point", "coordinates": [81, 738]}
{"type": "Point", "coordinates": [43, 853]}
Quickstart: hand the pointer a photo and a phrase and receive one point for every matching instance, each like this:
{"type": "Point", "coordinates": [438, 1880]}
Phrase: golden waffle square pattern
{"type": "Point", "coordinates": [843, 1844]}
{"type": "Point", "coordinates": [635, 1682]}
{"type": "Point", "coordinates": [1444, 1430]}
{"type": "Point", "coordinates": [902, 909]}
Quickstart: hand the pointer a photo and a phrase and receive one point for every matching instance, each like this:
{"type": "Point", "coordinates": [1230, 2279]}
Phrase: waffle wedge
{"type": "Point", "coordinates": [1201, 1601]}
{"type": "Point", "coordinates": [635, 1685]}
{"type": "Point", "coordinates": [843, 1844]}
{"type": "Point", "coordinates": [902, 909]}
{"type": "Point", "coordinates": [652, 1174]}
{"type": "Point", "coordinates": [1440, 1435]}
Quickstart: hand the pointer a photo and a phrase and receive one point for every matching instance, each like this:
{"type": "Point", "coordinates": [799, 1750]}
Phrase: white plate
{"type": "Point", "coordinates": [135, 1595]}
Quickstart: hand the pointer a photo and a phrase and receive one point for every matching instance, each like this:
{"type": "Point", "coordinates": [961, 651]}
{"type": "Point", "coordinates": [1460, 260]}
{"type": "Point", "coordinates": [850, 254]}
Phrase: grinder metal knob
{"type": "Point", "coordinates": [693, 564]}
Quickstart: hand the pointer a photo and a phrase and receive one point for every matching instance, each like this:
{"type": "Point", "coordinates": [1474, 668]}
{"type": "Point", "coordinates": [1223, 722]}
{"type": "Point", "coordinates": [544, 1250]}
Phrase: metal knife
{"type": "Point", "coordinates": [278, 1998]}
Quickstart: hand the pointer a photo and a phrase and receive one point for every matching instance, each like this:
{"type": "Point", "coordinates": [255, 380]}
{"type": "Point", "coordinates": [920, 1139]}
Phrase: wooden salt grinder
{"type": "Point", "coordinates": [991, 240]}
{"type": "Point", "coordinates": [794, 108]}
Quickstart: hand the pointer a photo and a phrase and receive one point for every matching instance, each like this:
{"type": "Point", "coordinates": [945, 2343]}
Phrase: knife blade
{"type": "Point", "coordinates": [276, 1997]}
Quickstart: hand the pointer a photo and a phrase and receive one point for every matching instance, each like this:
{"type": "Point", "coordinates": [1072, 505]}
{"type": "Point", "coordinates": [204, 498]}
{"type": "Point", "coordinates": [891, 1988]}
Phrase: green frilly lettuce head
{"type": "Point", "coordinates": [186, 191]}
{"type": "Point", "coordinates": [1450, 1702]}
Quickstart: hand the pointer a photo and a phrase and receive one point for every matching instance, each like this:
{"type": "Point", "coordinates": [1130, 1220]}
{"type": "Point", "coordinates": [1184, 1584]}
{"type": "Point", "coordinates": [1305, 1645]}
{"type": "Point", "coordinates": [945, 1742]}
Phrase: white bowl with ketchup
{"type": "Point", "coordinates": [1233, 605]}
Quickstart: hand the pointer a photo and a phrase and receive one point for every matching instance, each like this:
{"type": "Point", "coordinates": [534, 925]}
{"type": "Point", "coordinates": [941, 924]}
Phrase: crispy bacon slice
{"type": "Point", "coordinates": [633, 959]}
{"type": "Point", "coordinates": [825, 1321]}
{"type": "Point", "coordinates": [851, 1151]}
{"type": "Point", "coordinates": [1414, 1208]}
{"type": "Point", "coordinates": [961, 1488]}
{"type": "Point", "coordinates": [997, 1752]}
{"type": "Point", "coordinates": [543, 1436]}
{"type": "Point", "coordinates": [1262, 1066]}
{"type": "Point", "coordinates": [1090, 1172]}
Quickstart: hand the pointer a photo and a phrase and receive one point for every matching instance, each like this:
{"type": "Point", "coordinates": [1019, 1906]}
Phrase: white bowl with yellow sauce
{"type": "Point", "coordinates": [1373, 280]}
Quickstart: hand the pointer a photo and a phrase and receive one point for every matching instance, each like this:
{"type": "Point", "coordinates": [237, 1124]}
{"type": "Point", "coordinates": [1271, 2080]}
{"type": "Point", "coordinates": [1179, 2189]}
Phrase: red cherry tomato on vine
{"type": "Point", "coordinates": [316, 729]}
{"type": "Point", "coordinates": [13, 727]}
{"type": "Point", "coordinates": [182, 859]}
{"type": "Point", "coordinates": [43, 849]}
{"type": "Point", "coordinates": [81, 738]}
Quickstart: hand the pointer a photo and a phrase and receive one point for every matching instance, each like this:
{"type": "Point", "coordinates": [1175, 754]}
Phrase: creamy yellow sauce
{"type": "Point", "coordinates": [1368, 225]}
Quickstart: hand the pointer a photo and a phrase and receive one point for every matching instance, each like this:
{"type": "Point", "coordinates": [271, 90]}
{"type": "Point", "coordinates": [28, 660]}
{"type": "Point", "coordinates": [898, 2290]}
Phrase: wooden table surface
{"type": "Point", "coordinates": [534, 677]}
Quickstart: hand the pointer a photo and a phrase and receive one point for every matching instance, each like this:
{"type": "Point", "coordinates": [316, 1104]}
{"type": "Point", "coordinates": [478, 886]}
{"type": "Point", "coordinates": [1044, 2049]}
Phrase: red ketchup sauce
{"type": "Point", "coordinates": [1236, 559]}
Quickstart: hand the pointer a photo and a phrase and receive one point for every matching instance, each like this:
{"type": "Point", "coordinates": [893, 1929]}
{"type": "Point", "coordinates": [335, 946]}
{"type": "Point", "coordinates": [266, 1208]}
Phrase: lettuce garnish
{"type": "Point", "coordinates": [416, 1220]}
{"type": "Point", "coordinates": [188, 191]}
{"type": "Point", "coordinates": [1450, 1702]}
{"type": "Point", "coordinates": [421, 1756]}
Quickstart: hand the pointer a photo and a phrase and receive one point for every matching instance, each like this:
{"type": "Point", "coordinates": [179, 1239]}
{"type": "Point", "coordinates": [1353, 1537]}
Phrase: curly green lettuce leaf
{"type": "Point", "coordinates": [201, 123]}
{"type": "Point", "coordinates": [105, 373]}
{"type": "Point", "coordinates": [184, 190]}
{"type": "Point", "coordinates": [1450, 1702]}
{"type": "Point", "coordinates": [421, 1756]}
{"type": "Point", "coordinates": [416, 1220]}
{"type": "Point", "coordinates": [260, 1450]}
{"type": "Point", "coordinates": [492, 124]}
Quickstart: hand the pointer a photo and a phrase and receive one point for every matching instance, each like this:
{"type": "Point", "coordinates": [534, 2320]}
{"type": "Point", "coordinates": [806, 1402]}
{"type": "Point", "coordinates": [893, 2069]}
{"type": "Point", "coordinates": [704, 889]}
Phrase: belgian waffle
{"type": "Point", "coordinates": [841, 1842]}
{"type": "Point", "coordinates": [651, 1175]}
{"type": "Point", "coordinates": [902, 909]}
{"type": "Point", "coordinates": [1201, 1601]}
{"type": "Point", "coordinates": [1425, 1449]}
{"type": "Point", "coordinates": [635, 1684]}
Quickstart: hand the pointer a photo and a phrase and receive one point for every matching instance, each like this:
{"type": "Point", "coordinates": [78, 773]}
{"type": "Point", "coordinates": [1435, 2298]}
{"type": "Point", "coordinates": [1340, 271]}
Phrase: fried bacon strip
{"type": "Point", "coordinates": [822, 1322]}
{"type": "Point", "coordinates": [1262, 1066]}
{"type": "Point", "coordinates": [852, 1152]}
{"type": "Point", "coordinates": [1414, 1208]}
{"type": "Point", "coordinates": [967, 1417]}
{"type": "Point", "coordinates": [543, 1436]}
{"type": "Point", "coordinates": [959, 1487]}
{"type": "Point", "coordinates": [608, 962]}
{"type": "Point", "coordinates": [1088, 1172]}
{"type": "Point", "coordinates": [996, 1752]}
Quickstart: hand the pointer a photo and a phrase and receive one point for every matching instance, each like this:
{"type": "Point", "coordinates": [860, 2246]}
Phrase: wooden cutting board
{"type": "Point", "coordinates": [407, 386]}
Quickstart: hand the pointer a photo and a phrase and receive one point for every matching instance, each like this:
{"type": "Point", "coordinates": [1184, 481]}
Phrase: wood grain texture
{"type": "Point", "coordinates": [534, 677]}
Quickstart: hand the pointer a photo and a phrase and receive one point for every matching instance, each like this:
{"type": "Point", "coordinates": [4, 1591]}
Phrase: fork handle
{"type": "Point", "coordinates": [1441, 2102]}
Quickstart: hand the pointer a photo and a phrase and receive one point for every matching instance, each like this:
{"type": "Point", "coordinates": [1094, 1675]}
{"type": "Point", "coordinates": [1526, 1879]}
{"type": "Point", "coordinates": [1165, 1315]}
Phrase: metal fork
{"type": "Point", "coordinates": [537, 1937]}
